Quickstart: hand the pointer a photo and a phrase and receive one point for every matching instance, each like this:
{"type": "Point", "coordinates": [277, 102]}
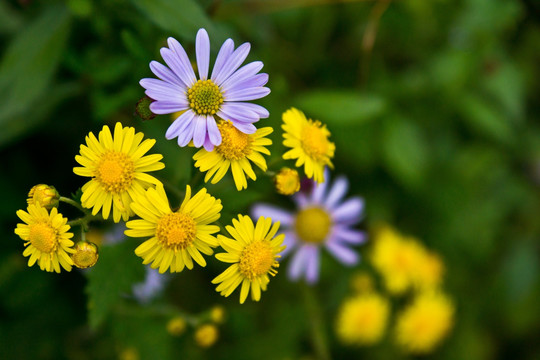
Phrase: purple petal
{"type": "Point", "coordinates": [251, 82]}
{"type": "Point", "coordinates": [298, 262]}
{"type": "Point", "coordinates": [233, 62]}
{"type": "Point", "coordinates": [336, 193]}
{"type": "Point", "coordinates": [258, 109]}
{"type": "Point", "coordinates": [246, 128]}
{"type": "Point", "coordinates": [186, 136]}
{"type": "Point", "coordinates": [237, 111]}
{"type": "Point", "coordinates": [178, 57]}
{"type": "Point", "coordinates": [290, 242]}
{"type": "Point", "coordinates": [213, 132]}
{"type": "Point", "coordinates": [160, 85]}
{"type": "Point", "coordinates": [349, 211]}
{"type": "Point", "coordinates": [276, 214]}
{"type": "Point", "coordinates": [301, 200]}
{"type": "Point", "coordinates": [222, 58]}
{"type": "Point", "coordinates": [179, 125]}
{"type": "Point", "coordinates": [349, 236]}
{"type": "Point", "coordinates": [342, 253]}
{"type": "Point", "coordinates": [208, 146]}
{"type": "Point", "coordinates": [166, 107]}
{"type": "Point", "coordinates": [200, 131]}
{"type": "Point", "coordinates": [165, 74]}
{"type": "Point", "coordinates": [202, 50]}
{"type": "Point", "coordinates": [319, 191]}
{"type": "Point", "coordinates": [247, 94]}
{"type": "Point", "coordinates": [312, 271]}
{"type": "Point", "coordinates": [245, 72]}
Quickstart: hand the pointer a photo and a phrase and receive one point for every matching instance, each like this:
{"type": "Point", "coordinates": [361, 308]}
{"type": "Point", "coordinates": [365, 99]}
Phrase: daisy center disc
{"type": "Point", "coordinates": [257, 259]}
{"type": "Point", "coordinates": [315, 141]}
{"type": "Point", "coordinates": [115, 172]}
{"type": "Point", "coordinates": [312, 225]}
{"type": "Point", "coordinates": [235, 145]}
{"type": "Point", "coordinates": [176, 230]}
{"type": "Point", "coordinates": [43, 237]}
{"type": "Point", "coordinates": [205, 97]}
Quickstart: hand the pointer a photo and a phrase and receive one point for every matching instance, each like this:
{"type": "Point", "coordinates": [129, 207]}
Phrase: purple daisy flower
{"type": "Point", "coordinates": [323, 219]}
{"type": "Point", "coordinates": [222, 95]}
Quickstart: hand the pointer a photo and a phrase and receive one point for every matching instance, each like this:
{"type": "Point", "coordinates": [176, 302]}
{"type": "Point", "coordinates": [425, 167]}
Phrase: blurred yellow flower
{"type": "Point", "coordinates": [429, 271]}
{"type": "Point", "coordinates": [362, 319]}
{"type": "Point", "coordinates": [176, 326]}
{"type": "Point", "coordinates": [206, 335]}
{"type": "Point", "coordinates": [309, 143]}
{"type": "Point", "coordinates": [236, 151]}
{"type": "Point", "coordinates": [424, 323]}
{"type": "Point", "coordinates": [287, 181]}
{"type": "Point", "coordinates": [361, 282]}
{"type": "Point", "coordinates": [217, 314]}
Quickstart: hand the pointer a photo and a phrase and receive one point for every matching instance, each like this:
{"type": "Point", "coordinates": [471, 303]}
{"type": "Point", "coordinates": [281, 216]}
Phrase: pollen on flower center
{"type": "Point", "coordinates": [314, 141]}
{"type": "Point", "coordinates": [235, 145]}
{"type": "Point", "coordinates": [312, 225]}
{"type": "Point", "coordinates": [205, 97]}
{"type": "Point", "coordinates": [43, 237]}
{"type": "Point", "coordinates": [115, 172]}
{"type": "Point", "coordinates": [176, 230]}
{"type": "Point", "coordinates": [257, 259]}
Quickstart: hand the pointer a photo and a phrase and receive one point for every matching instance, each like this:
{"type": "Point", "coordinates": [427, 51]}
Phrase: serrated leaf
{"type": "Point", "coordinates": [340, 106]}
{"type": "Point", "coordinates": [181, 17]}
{"type": "Point", "coordinates": [117, 269]}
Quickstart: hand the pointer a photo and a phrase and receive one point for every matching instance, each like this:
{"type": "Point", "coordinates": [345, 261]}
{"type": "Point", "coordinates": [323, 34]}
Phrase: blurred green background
{"type": "Point", "coordinates": [433, 106]}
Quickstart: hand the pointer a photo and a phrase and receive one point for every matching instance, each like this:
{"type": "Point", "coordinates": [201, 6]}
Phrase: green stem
{"type": "Point", "coordinates": [318, 335]}
{"type": "Point", "coordinates": [72, 203]}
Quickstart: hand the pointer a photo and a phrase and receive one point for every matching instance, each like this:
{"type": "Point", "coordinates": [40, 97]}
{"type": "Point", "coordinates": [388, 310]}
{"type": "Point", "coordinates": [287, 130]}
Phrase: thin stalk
{"type": "Point", "coordinates": [72, 203]}
{"type": "Point", "coordinates": [318, 335]}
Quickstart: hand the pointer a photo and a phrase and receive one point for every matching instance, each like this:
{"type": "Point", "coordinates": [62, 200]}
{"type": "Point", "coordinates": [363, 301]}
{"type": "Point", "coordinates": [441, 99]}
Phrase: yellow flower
{"type": "Point", "coordinates": [396, 258]}
{"type": "Point", "coordinates": [118, 170]}
{"type": "Point", "coordinates": [429, 271]}
{"type": "Point", "coordinates": [206, 335]}
{"type": "Point", "coordinates": [236, 151]}
{"type": "Point", "coordinates": [47, 238]}
{"type": "Point", "coordinates": [287, 181]}
{"type": "Point", "coordinates": [178, 237]}
{"type": "Point", "coordinates": [424, 323]}
{"type": "Point", "coordinates": [362, 319]}
{"type": "Point", "coordinates": [45, 195]}
{"type": "Point", "coordinates": [86, 254]}
{"type": "Point", "coordinates": [217, 314]}
{"type": "Point", "coordinates": [309, 143]}
{"type": "Point", "coordinates": [176, 326]}
{"type": "Point", "coordinates": [253, 254]}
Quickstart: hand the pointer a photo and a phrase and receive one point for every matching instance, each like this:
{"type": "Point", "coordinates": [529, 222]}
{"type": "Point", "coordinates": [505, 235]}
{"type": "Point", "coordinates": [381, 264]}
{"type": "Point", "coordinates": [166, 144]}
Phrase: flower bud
{"type": "Point", "coordinates": [86, 254]}
{"type": "Point", "coordinates": [44, 195]}
{"type": "Point", "coordinates": [142, 109]}
{"type": "Point", "coordinates": [287, 181]}
{"type": "Point", "coordinates": [217, 314]}
{"type": "Point", "coordinates": [176, 326]}
{"type": "Point", "coordinates": [206, 335]}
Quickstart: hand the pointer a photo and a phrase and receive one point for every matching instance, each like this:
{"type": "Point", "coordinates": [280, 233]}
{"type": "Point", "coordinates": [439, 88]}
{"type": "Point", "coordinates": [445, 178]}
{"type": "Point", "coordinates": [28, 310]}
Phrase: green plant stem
{"type": "Point", "coordinates": [318, 335]}
{"type": "Point", "coordinates": [72, 203]}
{"type": "Point", "coordinates": [83, 222]}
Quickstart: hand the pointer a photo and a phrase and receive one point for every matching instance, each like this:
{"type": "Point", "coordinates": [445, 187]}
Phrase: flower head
{"type": "Point", "coordinates": [287, 181]}
{"type": "Point", "coordinates": [206, 99]}
{"type": "Point", "coordinates": [45, 195]}
{"type": "Point", "coordinates": [118, 168]}
{"type": "Point", "coordinates": [425, 323]}
{"type": "Point", "coordinates": [253, 253]}
{"type": "Point", "coordinates": [362, 319]}
{"type": "Point", "coordinates": [323, 219]}
{"type": "Point", "coordinates": [46, 237]}
{"type": "Point", "coordinates": [177, 237]}
{"type": "Point", "coordinates": [206, 335]}
{"type": "Point", "coordinates": [309, 143]}
{"type": "Point", "coordinates": [235, 152]}
{"type": "Point", "coordinates": [86, 254]}
{"type": "Point", "coordinates": [176, 326]}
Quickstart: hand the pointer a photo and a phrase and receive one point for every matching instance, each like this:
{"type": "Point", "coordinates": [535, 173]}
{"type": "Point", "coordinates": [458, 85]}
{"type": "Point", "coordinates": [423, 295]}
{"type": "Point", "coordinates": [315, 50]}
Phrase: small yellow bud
{"type": "Point", "coordinates": [361, 282]}
{"type": "Point", "coordinates": [129, 353]}
{"type": "Point", "coordinates": [206, 335]}
{"type": "Point", "coordinates": [287, 181]}
{"type": "Point", "coordinates": [86, 254]}
{"type": "Point", "coordinates": [44, 195]}
{"type": "Point", "coordinates": [176, 326]}
{"type": "Point", "coordinates": [217, 314]}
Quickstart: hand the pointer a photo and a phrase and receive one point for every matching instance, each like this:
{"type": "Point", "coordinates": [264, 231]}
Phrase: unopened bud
{"type": "Point", "coordinates": [217, 314]}
{"type": "Point", "coordinates": [287, 181]}
{"type": "Point", "coordinates": [176, 326]}
{"type": "Point", "coordinates": [142, 109]}
{"type": "Point", "coordinates": [206, 335]}
{"type": "Point", "coordinates": [86, 254]}
{"type": "Point", "coordinates": [44, 195]}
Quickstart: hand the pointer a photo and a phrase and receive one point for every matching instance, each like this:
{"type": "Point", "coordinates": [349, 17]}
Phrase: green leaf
{"type": "Point", "coordinates": [340, 106]}
{"type": "Point", "coordinates": [116, 271]}
{"type": "Point", "coordinates": [29, 64]}
{"type": "Point", "coordinates": [181, 17]}
{"type": "Point", "coordinates": [405, 150]}
{"type": "Point", "coordinates": [10, 20]}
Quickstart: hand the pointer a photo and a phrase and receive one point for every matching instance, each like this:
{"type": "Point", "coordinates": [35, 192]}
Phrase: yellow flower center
{"type": "Point", "coordinates": [205, 97]}
{"type": "Point", "coordinates": [315, 141]}
{"type": "Point", "coordinates": [115, 172]}
{"type": "Point", "coordinates": [176, 230]}
{"type": "Point", "coordinates": [313, 224]}
{"type": "Point", "coordinates": [257, 259]}
{"type": "Point", "coordinates": [235, 145]}
{"type": "Point", "coordinates": [86, 255]}
{"type": "Point", "coordinates": [43, 237]}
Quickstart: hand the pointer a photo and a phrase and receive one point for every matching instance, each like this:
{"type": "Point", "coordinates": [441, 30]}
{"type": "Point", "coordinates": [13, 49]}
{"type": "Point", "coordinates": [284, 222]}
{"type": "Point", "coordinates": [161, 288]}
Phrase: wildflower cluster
{"type": "Point", "coordinates": [411, 274]}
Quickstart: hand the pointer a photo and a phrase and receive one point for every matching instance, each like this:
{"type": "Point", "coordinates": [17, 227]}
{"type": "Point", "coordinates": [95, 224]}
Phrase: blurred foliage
{"type": "Point", "coordinates": [434, 109]}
